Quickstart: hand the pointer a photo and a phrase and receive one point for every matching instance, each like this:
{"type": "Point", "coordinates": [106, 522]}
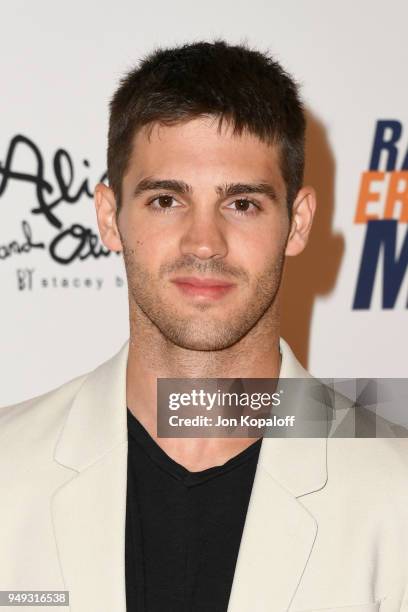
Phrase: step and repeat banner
{"type": "Point", "coordinates": [63, 294]}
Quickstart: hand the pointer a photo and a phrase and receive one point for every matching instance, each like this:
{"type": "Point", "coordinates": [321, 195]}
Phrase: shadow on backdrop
{"type": "Point", "coordinates": [314, 272]}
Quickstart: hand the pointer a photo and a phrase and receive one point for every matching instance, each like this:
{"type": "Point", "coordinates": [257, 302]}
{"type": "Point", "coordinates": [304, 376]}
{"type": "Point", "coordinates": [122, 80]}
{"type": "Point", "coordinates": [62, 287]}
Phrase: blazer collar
{"type": "Point", "coordinates": [96, 423]}
{"type": "Point", "coordinates": [298, 463]}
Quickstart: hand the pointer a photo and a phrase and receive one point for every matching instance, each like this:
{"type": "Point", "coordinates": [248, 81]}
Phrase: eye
{"type": "Point", "coordinates": [162, 203]}
{"type": "Point", "coordinates": [244, 207]}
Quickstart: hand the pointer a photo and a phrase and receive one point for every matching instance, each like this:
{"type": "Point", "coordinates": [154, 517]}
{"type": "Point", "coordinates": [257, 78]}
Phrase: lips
{"type": "Point", "coordinates": [201, 282]}
{"type": "Point", "coordinates": [202, 288]}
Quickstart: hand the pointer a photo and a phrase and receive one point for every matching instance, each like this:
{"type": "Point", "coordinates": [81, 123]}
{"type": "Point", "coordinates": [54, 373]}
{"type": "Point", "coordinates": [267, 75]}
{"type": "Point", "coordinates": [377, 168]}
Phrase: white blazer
{"type": "Point", "coordinates": [326, 528]}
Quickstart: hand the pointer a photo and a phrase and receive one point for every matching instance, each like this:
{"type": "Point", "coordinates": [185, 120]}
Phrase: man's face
{"type": "Point", "coordinates": [198, 205]}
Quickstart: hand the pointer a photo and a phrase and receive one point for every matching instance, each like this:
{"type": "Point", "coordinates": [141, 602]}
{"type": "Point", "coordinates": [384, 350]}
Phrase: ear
{"type": "Point", "coordinates": [105, 204]}
{"type": "Point", "coordinates": [303, 211]}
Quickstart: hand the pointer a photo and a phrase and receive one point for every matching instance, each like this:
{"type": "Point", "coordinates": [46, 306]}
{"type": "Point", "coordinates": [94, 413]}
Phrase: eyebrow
{"type": "Point", "coordinates": [152, 184]}
{"type": "Point", "coordinates": [226, 190]}
{"type": "Point", "coordinates": [233, 189]}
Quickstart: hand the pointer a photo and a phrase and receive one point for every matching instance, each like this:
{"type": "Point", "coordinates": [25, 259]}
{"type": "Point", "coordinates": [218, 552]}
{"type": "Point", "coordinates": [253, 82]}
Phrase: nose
{"type": "Point", "coordinates": [204, 235]}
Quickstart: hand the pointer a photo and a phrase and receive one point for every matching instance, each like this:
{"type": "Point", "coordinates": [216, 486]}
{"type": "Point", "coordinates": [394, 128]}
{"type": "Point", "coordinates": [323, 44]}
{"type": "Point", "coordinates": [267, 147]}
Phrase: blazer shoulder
{"type": "Point", "coordinates": [349, 419]}
{"type": "Point", "coordinates": [41, 411]}
{"type": "Point", "coordinates": [367, 448]}
{"type": "Point", "coordinates": [36, 423]}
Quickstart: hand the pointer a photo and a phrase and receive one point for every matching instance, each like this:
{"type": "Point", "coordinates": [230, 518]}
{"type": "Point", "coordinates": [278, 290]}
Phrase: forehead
{"type": "Point", "coordinates": [202, 147]}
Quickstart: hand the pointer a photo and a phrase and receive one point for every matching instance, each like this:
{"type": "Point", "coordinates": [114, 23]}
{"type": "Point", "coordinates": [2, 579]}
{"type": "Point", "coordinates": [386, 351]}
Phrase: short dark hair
{"type": "Point", "coordinates": [232, 82]}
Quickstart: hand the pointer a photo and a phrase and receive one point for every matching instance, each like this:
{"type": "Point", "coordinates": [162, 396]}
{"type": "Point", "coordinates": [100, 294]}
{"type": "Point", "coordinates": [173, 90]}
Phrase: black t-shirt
{"type": "Point", "coordinates": [183, 529]}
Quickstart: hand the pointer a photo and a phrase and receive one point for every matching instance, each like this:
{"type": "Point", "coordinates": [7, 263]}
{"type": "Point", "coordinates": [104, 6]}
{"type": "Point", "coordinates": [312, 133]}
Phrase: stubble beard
{"type": "Point", "coordinates": [202, 329]}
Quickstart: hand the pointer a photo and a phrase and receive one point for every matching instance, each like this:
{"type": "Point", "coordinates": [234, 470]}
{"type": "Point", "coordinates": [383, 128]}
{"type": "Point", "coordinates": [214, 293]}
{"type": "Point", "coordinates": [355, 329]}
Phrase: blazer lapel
{"type": "Point", "coordinates": [89, 526]}
{"type": "Point", "coordinates": [89, 511]}
{"type": "Point", "coordinates": [277, 540]}
{"type": "Point", "coordinates": [279, 532]}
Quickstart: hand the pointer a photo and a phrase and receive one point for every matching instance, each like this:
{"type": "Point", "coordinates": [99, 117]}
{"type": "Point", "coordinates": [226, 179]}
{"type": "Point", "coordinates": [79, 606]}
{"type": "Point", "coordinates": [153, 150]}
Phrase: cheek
{"type": "Point", "coordinates": [134, 233]}
{"type": "Point", "coordinates": [258, 250]}
{"type": "Point", "coordinates": [147, 250]}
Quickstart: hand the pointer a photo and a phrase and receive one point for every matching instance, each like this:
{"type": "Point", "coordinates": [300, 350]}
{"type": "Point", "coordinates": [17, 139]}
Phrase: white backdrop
{"type": "Point", "coordinates": [60, 63]}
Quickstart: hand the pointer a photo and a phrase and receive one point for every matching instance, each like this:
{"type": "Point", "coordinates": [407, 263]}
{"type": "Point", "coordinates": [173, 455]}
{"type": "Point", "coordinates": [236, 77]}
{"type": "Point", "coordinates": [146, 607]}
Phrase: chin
{"type": "Point", "coordinates": [204, 343]}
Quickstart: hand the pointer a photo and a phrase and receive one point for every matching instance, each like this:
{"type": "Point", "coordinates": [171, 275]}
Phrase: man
{"type": "Point", "coordinates": [205, 200]}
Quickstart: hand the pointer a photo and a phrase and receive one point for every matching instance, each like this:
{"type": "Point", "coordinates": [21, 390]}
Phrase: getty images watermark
{"type": "Point", "coordinates": [293, 407]}
{"type": "Point", "coordinates": [201, 399]}
{"type": "Point", "coordinates": [219, 407]}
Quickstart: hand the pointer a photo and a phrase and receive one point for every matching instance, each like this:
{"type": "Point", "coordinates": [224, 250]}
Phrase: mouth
{"type": "Point", "coordinates": [212, 288]}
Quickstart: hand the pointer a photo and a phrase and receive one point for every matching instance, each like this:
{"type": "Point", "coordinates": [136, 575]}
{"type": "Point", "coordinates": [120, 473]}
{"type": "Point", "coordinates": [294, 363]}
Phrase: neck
{"type": "Point", "coordinates": [152, 356]}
